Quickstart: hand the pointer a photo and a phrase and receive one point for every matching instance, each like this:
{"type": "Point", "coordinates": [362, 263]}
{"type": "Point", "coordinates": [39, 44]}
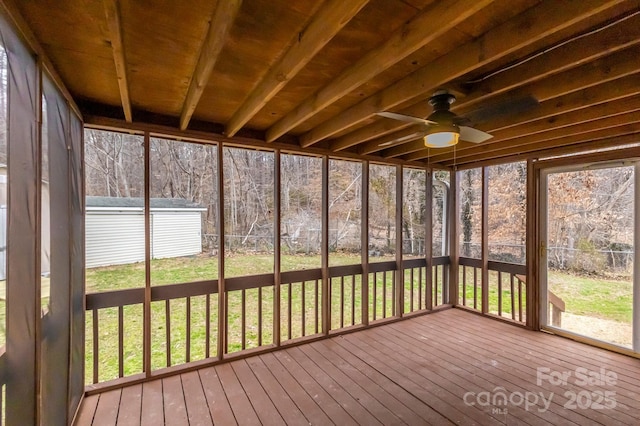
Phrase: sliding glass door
{"type": "Point", "coordinates": [589, 229]}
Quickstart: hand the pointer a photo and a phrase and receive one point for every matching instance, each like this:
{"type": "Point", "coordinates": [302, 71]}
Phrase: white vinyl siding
{"type": "Point", "coordinates": [176, 234]}
{"type": "Point", "coordinates": [117, 237]}
{"type": "Point", "coordinates": [114, 238]}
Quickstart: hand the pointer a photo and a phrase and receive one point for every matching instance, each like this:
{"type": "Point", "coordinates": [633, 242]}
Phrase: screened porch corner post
{"type": "Point", "coordinates": [222, 331]}
{"type": "Point", "coordinates": [484, 230]}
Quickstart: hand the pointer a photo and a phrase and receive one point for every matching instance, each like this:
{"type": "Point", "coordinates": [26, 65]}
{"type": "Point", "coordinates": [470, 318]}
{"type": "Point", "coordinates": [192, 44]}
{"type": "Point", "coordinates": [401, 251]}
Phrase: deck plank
{"type": "Point", "coordinates": [289, 411]}
{"type": "Point", "coordinates": [408, 372]}
{"type": "Point", "coordinates": [309, 407]}
{"type": "Point", "coordinates": [332, 408]}
{"type": "Point", "coordinates": [107, 409]}
{"type": "Point", "coordinates": [266, 411]}
{"type": "Point", "coordinates": [426, 414]}
{"type": "Point", "coordinates": [197, 408]}
{"type": "Point", "coordinates": [564, 361]}
{"type": "Point", "coordinates": [175, 408]}
{"type": "Point", "coordinates": [152, 404]}
{"type": "Point", "coordinates": [130, 405]}
{"type": "Point", "coordinates": [87, 410]}
{"type": "Point", "coordinates": [359, 388]}
{"type": "Point", "coordinates": [243, 411]}
{"type": "Point", "coordinates": [219, 407]}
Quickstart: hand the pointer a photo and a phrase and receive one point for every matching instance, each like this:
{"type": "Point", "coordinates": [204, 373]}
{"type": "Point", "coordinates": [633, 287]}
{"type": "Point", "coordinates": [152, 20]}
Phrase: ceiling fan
{"type": "Point", "coordinates": [443, 128]}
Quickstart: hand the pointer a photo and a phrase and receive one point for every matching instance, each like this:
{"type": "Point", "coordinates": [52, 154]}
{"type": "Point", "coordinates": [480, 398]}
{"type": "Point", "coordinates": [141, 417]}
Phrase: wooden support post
{"type": "Point", "coordinates": [399, 306]}
{"type": "Point", "coordinates": [428, 236]}
{"type": "Point", "coordinates": [326, 297]}
{"type": "Point", "coordinates": [276, 250]}
{"type": "Point", "coordinates": [364, 244]}
{"type": "Point", "coordinates": [454, 232]}
{"type": "Point", "coordinates": [532, 284]}
{"type": "Point", "coordinates": [147, 257]}
{"type": "Point", "coordinates": [222, 314]}
{"type": "Point", "coordinates": [485, 240]}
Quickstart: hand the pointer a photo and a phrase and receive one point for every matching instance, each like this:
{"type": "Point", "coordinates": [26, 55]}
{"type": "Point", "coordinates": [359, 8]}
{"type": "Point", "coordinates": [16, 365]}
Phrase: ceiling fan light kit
{"type": "Point", "coordinates": [442, 136]}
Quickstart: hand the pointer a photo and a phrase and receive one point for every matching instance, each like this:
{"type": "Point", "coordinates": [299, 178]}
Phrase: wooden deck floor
{"type": "Point", "coordinates": [436, 369]}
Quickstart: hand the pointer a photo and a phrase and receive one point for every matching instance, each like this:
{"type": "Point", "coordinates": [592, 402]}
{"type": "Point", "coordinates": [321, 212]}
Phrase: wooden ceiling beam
{"type": "Point", "coordinates": [603, 125]}
{"type": "Point", "coordinates": [591, 47]}
{"type": "Point", "coordinates": [326, 23]}
{"type": "Point", "coordinates": [112, 12]}
{"type": "Point", "coordinates": [632, 129]}
{"type": "Point", "coordinates": [607, 92]}
{"type": "Point", "coordinates": [426, 27]}
{"type": "Point", "coordinates": [610, 144]}
{"type": "Point", "coordinates": [221, 22]}
{"type": "Point", "coordinates": [523, 30]}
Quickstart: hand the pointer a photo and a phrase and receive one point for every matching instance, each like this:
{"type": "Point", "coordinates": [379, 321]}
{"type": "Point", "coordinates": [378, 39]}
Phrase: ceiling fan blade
{"type": "Point", "coordinates": [470, 134]}
{"type": "Point", "coordinates": [411, 136]}
{"type": "Point", "coordinates": [403, 117]}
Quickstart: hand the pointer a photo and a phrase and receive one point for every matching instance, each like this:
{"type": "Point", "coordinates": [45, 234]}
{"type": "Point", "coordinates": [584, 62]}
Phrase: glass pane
{"type": "Point", "coordinates": [470, 212]}
{"type": "Point", "coordinates": [183, 212]}
{"type": "Point", "coordinates": [382, 213]}
{"type": "Point", "coordinates": [248, 207]}
{"type": "Point", "coordinates": [441, 182]}
{"type": "Point", "coordinates": [413, 212]}
{"type": "Point", "coordinates": [114, 222]}
{"type": "Point", "coordinates": [508, 212]}
{"type": "Point", "coordinates": [301, 212]}
{"type": "Point", "coordinates": [590, 249]}
{"type": "Point", "coordinates": [345, 207]}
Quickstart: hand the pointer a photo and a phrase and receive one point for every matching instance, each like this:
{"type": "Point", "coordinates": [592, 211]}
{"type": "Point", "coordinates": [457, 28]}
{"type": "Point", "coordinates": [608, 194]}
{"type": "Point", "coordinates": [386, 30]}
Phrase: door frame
{"type": "Point", "coordinates": [541, 170]}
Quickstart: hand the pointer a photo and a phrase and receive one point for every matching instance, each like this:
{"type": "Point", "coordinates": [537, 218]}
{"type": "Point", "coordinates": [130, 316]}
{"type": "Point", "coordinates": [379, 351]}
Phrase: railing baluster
{"type": "Point", "coordinates": [188, 331]}
{"type": "Point", "coordinates": [384, 294]}
{"type": "Point", "coordinates": [167, 323]}
{"type": "Point", "coordinates": [520, 299]}
{"type": "Point", "coordinates": [435, 286]}
{"type": "Point", "coordinates": [243, 316]}
{"type": "Point", "coordinates": [341, 302]}
{"type": "Point", "coordinates": [353, 300]}
{"type": "Point", "coordinates": [303, 311]}
{"type": "Point", "coordinates": [96, 353]}
{"type": "Point", "coordinates": [375, 299]}
{"type": "Point", "coordinates": [420, 290]}
{"type": "Point", "coordinates": [316, 301]}
{"type": "Point", "coordinates": [513, 298]}
{"type": "Point", "coordinates": [289, 312]}
{"type": "Point", "coordinates": [207, 326]}
{"type": "Point", "coordinates": [259, 316]}
{"type": "Point", "coordinates": [225, 335]}
{"type": "Point", "coordinates": [120, 342]}
{"type": "Point", "coordinates": [499, 293]}
{"type": "Point", "coordinates": [412, 290]}
{"type": "Point", "coordinates": [475, 288]}
{"type": "Point", "coordinates": [464, 285]}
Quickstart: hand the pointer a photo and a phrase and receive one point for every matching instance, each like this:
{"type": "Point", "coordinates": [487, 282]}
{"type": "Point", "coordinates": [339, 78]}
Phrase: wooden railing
{"type": "Point", "coordinates": [503, 295]}
{"type": "Point", "coordinates": [185, 323]}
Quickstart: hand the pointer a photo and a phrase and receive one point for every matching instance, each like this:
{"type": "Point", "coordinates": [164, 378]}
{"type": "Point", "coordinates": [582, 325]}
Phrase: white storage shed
{"type": "Point", "coordinates": [114, 229]}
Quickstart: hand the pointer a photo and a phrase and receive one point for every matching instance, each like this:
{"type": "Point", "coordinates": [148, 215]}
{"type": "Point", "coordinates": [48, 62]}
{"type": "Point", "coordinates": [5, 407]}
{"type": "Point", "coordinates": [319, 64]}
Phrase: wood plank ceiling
{"type": "Point", "coordinates": [313, 74]}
